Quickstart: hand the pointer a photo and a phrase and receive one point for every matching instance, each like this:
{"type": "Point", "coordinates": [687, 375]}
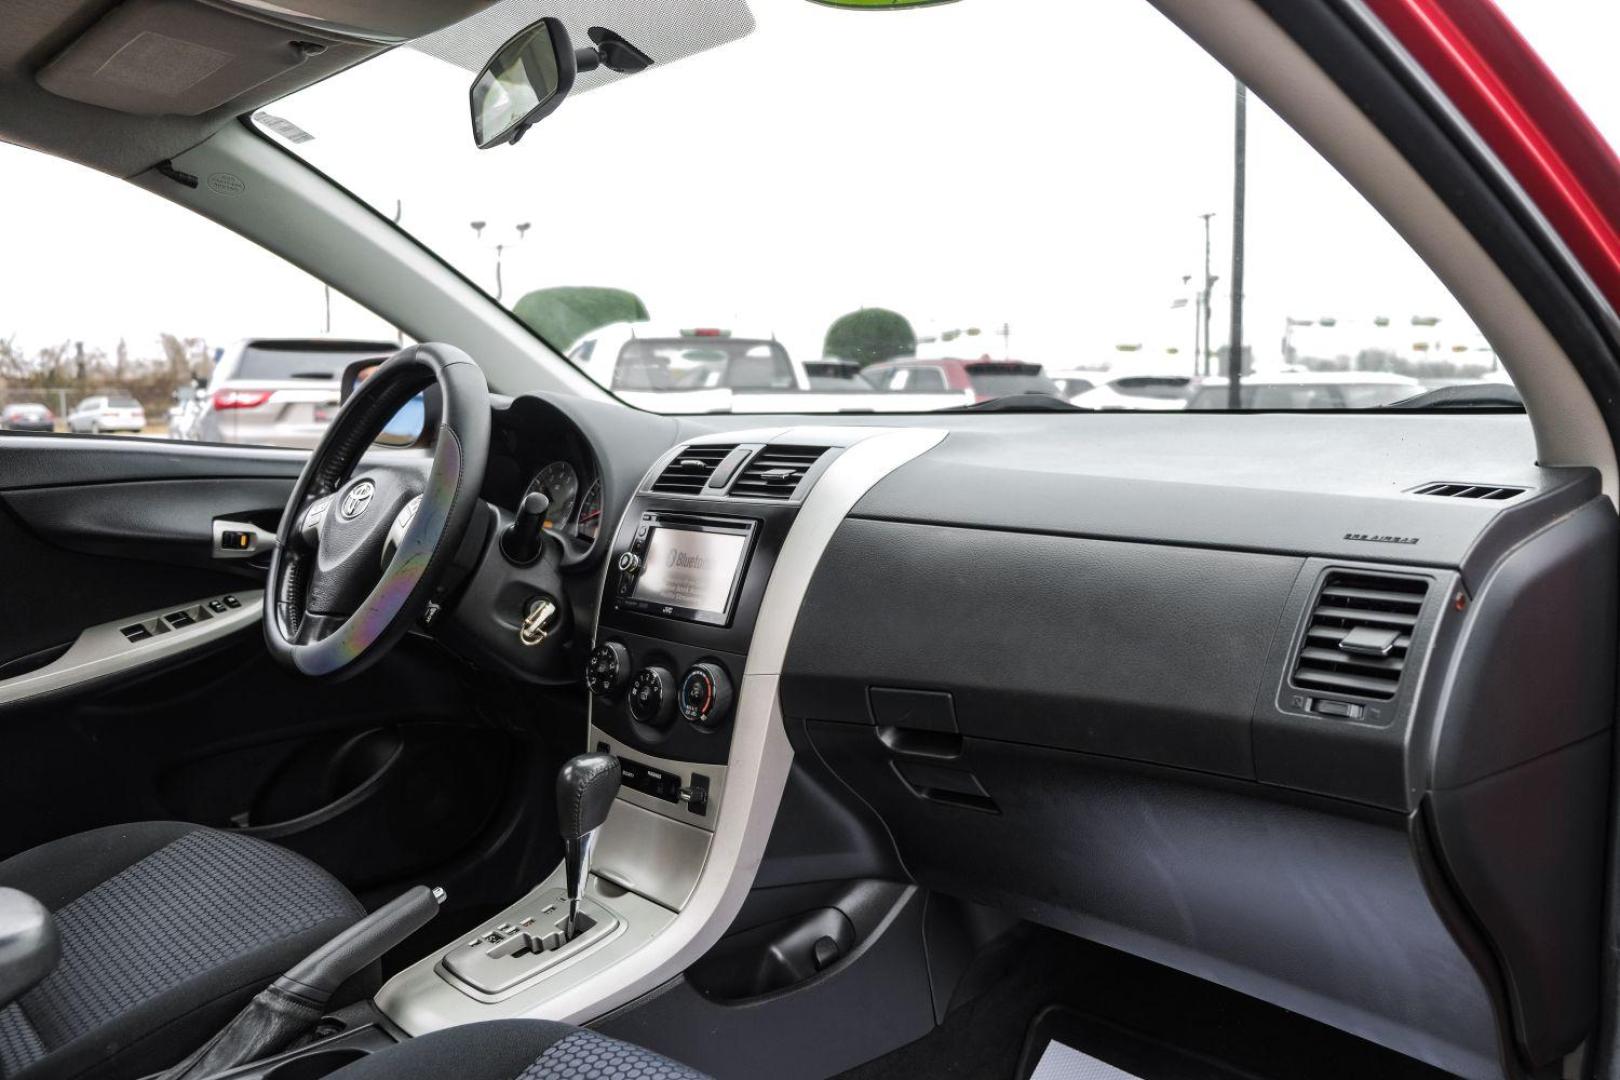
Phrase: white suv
{"type": "Point", "coordinates": [278, 391]}
{"type": "Point", "coordinates": [107, 412]}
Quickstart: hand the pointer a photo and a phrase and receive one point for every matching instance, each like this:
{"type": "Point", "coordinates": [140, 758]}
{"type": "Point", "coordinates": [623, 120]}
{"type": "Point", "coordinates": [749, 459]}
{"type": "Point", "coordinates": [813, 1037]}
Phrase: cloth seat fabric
{"type": "Point", "coordinates": [167, 931]}
{"type": "Point", "coordinates": [516, 1050]}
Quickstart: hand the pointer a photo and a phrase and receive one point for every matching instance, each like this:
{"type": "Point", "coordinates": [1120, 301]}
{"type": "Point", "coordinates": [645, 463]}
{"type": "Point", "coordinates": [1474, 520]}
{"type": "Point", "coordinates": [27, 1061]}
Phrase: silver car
{"type": "Point", "coordinates": [279, 391]}
{"type": "Point", "coordinates": [107, 412]}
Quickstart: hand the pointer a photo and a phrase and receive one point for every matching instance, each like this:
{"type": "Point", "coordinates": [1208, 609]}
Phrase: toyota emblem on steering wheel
{"type": "Point", "coordinates": [356, 501]}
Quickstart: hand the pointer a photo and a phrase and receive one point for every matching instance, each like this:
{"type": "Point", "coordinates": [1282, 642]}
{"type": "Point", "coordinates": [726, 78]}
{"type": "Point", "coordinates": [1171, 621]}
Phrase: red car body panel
{"type": "Point", "coordinates": [1523, 113]}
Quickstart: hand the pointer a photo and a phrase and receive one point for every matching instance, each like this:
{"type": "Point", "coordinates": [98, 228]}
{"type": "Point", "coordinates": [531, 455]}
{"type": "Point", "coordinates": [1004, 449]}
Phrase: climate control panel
{"type": "Point", "coordinates": [664, 697]}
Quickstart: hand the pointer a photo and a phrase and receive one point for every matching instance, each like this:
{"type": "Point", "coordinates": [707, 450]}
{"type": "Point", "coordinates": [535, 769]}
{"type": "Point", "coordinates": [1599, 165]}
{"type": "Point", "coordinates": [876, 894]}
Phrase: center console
{"type": "Point", "coordinates": [702, 586]}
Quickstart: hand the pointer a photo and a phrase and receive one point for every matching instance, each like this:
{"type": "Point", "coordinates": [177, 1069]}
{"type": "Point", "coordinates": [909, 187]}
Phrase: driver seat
{"type": "Point", "coordinates": [167, 930]}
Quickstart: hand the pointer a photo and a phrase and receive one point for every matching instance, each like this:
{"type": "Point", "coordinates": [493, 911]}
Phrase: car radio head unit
{"type": "Point", "coordinates": [684, 567]}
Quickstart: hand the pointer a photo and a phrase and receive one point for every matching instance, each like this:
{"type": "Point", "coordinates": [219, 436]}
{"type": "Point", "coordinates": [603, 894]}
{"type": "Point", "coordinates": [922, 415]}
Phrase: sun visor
{"type": "Point", "coordinates": [187, 57]}
{"type": "Point", "coordinates": [172, 57]}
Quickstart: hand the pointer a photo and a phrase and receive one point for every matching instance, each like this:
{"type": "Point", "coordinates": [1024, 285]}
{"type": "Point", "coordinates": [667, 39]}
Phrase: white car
{"type": "Point", "coordinates": [638, 356]}
{"type": "Point", "coordinates": [1072, 382]}
{"type": "Point", "coordinates": [107, 412]}
{"type": "Point", "coordinates": [1307, 390]}
{"type": "Point", "coordinates": [1142, 392]}
{"type": "Point", "coordinates": [703, 370]}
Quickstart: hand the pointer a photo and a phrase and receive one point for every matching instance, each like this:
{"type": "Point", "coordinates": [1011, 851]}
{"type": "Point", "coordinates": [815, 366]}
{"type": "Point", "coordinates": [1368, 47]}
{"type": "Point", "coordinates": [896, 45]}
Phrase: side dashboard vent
{"type": "Point", "coordinates": [690, 469]}
{"type": "Point", "coordinates": [1488, 492]}
{"type": "Point", "coordinates": [1359, 632]}
{"type": "Point", "coordinates": [776, 471]}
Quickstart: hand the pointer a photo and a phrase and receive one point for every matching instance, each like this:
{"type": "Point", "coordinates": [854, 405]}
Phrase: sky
{"type": "Point", "coordinates": [931, 161]}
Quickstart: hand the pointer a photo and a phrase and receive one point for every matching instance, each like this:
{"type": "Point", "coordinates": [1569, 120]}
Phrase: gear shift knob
{"type": "Point", "coordinates": [586, 787]}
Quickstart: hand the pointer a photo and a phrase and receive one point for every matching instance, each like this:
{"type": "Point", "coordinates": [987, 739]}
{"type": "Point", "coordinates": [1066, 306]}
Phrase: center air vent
{"type": "Point", "coordinates": [776, 471]}
{"type": "Point", "coordinates": [1359, 633]}
{"type": "Point", "coordinates": [1489, 492]}
{"type": "Point", "coordinates": [690, 469]}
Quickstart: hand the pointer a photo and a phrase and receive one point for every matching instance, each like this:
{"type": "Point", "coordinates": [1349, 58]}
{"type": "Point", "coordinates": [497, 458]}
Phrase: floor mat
{"type": "Point", "coordinates": [1067, 1045]}
{"type": "Point", "coordinates": [1147, 1020]}
{"type": "Point", "coordinates": [1063, 1062]}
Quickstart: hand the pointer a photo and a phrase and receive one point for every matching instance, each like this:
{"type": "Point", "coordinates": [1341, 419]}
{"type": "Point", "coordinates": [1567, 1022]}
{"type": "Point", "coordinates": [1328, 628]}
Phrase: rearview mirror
{"type": "Point", "coordinates": [523, 82]}
{"type": "Point", "coordinates": [530, 75]}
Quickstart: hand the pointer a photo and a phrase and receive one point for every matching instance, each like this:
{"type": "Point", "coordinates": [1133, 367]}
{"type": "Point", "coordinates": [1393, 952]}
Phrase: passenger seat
{"type": "Point", "coordinates": [516, 1050]}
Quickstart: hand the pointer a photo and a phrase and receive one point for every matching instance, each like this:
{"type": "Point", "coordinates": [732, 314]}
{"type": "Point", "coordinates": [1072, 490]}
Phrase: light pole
{"type": "Point", "coordinates": [478, 227]}
{"type": "Point", "coordinates": [1186, 284]}
{"type": "Point", "coordinates": [1201, 356]}
{"type": "Point", "coordinates": [1240, 164]}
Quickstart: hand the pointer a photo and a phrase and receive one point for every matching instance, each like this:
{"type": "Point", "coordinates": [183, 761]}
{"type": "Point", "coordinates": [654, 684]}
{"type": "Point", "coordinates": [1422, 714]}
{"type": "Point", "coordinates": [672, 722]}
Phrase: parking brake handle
{"type": "Point", "coordinates": [317, 977]}
{"type": "Point", "coordinates": [292, 1004]}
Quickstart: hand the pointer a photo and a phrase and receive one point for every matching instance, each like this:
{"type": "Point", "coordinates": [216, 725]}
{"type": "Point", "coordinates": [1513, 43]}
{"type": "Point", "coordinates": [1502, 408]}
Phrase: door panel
{"type": "Point", "coordinates": [403, 773]}
{"type": "Point", "coordinates": [51, 593]}
{"type": "Point", "coordinates": [161, 520]}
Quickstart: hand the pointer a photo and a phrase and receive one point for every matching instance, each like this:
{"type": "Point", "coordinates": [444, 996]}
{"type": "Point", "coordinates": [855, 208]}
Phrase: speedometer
{"type": "Point", "coordinates": [590, 513]}
{"type": "Point", "coordinates": [558, 483]}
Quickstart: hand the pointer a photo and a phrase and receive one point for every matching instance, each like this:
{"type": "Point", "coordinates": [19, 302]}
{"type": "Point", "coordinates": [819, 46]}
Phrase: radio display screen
{"type": "Point", "coordinates": [691, 571]}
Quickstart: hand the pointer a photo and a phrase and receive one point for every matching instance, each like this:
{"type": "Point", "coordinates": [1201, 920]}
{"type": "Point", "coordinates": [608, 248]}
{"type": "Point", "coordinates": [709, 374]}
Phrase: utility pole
{"type": "Point", "coordinates": [1186, 283]}
{"type": "Point", "coordinates": [1240, 164]}
{"type": "Point", "coordinates": [1202, 354]}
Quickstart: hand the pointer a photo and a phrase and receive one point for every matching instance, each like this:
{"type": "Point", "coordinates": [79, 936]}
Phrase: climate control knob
{"type": "Point", "coordinates": [652, 697]}
{"type": "Point", "coordinates": [706, 695]}
{"type": "Point", "coordinates": [607, 672]}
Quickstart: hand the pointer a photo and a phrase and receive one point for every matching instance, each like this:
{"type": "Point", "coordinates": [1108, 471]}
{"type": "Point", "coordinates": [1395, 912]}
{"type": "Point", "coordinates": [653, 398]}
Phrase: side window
{"type": "Point", "coordinates": [927, 380]}
{"type": "Point", "coordinates": [130, 315]}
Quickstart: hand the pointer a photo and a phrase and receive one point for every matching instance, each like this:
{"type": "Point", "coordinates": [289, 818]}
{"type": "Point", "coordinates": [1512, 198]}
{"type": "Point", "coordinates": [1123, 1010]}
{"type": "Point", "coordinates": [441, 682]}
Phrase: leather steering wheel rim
{"type": "Point", "coordinates": [355, 639]}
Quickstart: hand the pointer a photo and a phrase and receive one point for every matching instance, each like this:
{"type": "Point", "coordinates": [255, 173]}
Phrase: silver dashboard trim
{"type": "Point", "coordinates": [419, 1000]}
{"type": "Point", "coordinates": [683, 769]}
{"type": "Point", "coordinates": [102, 651]}
{"type": "Point", "coordinates": [650, 855]}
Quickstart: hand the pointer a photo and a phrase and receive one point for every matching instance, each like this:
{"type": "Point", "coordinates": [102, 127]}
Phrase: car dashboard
{"type": "Point", "coordinates": [1211, 689]}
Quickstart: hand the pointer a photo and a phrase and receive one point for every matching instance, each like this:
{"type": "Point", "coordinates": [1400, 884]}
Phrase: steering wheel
{"type": "Point", "coordinates": [360, 551]}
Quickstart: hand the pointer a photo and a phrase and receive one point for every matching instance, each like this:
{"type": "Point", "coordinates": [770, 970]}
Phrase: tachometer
{"type": "Point", "coordinates": [590, 513]}
{"type": "Point", "coordinates": [559, 483]}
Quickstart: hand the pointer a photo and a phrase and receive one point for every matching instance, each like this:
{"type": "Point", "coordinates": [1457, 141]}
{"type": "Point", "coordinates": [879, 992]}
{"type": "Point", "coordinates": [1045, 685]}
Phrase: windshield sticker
{"type": "Point", "coordinates": [285, 128]}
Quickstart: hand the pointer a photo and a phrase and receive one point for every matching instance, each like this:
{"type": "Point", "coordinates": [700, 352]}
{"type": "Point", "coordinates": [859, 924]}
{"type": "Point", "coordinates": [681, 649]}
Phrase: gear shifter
{"type": "Point", "coordinates": [586, 787]}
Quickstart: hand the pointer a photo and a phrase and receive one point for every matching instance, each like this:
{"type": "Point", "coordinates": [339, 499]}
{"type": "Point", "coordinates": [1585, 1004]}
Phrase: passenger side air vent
{"type": "Point", "coordinates": [1491, 492]}
{"type": "Point", "coordinates": [776, 471]}
{"type": "Point", "coordinates": [690, 469]}
{"type": "Point", "coordinates": [1358, 635]}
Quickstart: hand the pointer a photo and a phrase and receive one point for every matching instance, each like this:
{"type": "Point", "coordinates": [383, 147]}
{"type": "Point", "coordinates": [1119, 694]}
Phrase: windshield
{"type": "Point", "coordinates": [915, 208]}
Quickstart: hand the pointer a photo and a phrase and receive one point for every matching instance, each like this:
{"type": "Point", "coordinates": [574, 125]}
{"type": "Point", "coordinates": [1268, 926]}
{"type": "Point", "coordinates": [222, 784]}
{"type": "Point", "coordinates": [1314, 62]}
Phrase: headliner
{"type": "Point", "coordinates": [33, 32]}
